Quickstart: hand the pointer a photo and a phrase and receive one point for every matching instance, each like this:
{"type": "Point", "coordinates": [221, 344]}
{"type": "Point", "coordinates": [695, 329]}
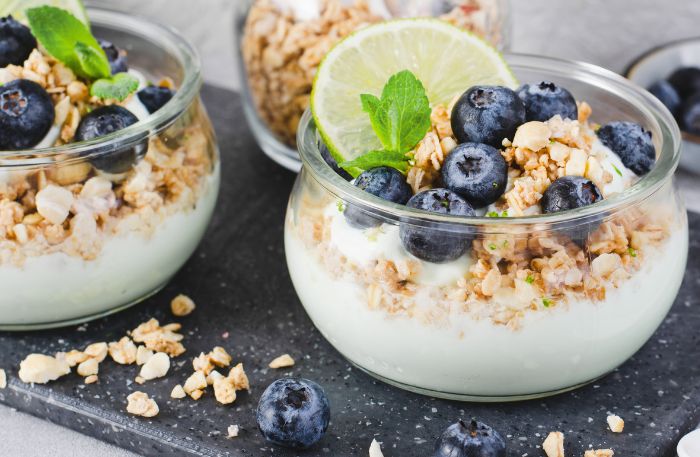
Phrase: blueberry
{"type": "Point", "coordinates": [689, 117]}
{"type": "Point", "coordinates": [294, 413]}
{"type": "Point", "coordinates": [477, 172]}
{"type": "Point", "coordinates": [26, 114]}
{"type": "Point", "coordinates": [632, 143]}
{"type": "Point", "coordinates": [686, 81]}
{"type": "Point", "coordinates": [473, 439]}
{"type": "Point", "coordinates": [103, 121]}
{"type": "Point", "coordinates": [433, 245]}
{"type": "Point", "coordinates": [16, 42]}
{"type": "Point", "coordinates": [118, 61]}
{"type": "Point", "coordinates": [487, 114]}
{"type": "Point", "coordinates": [330, 160]}
{"type": "Point", "coordinates": [154, 97]}
{"type": "Point", "coordinates": [383, 182]}
{"type": "Point", "coordinates": [569, 192]}
{"type": "Point", "coordinates": [545, 100]}
{"type": "Point", "coordinates": [666, 93]}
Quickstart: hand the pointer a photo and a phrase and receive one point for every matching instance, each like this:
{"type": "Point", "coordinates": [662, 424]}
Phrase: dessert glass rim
{"type": "Point", "coordinates": [164, 37]}
{"type": "Point", "coordinates": [665, 130]}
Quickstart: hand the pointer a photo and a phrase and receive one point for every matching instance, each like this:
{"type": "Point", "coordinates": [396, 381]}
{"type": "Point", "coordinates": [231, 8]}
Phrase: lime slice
{"type": "Point", "coordinates": [17, 8]}
{"type": "Point", "coordinates": [448, 60]}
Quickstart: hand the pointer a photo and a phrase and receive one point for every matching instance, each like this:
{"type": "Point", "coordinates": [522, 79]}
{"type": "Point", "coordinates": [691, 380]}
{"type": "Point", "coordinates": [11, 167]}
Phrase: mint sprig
{"type": "Point", "coordinates": [71, 42]}
{"type": "Point", "coordinates": [400, 119]}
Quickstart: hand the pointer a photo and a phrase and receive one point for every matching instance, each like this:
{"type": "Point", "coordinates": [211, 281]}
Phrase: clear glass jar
{"type": "Point", "coordinates": [105, 241]}
{"type": "Point", "coordinates": [506, 321]}
{"type": "Point", "coordinates": [279, 53]}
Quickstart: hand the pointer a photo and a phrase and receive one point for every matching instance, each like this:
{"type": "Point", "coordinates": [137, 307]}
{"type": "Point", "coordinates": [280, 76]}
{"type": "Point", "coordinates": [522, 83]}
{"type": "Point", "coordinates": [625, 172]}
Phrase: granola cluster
{"type": "Point", "coordinates": [71, 207]}
{"type": "Point", "coordinates": [282, 53]}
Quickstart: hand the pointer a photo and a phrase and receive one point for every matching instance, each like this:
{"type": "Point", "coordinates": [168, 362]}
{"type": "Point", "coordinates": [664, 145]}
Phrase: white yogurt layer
{"type": "Point", "coordinates": [556, 348]}
{"type": "Point", "coordinates": [131, 265]}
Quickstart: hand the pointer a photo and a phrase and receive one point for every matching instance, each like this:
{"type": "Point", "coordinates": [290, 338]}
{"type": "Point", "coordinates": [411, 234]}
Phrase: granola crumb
{"type": "Point", "coordinates": [599, 453]}
{"type": "Point", "coordinates": [89, 367]}
{"type": "Point", "coordinates": [142, 355]}
{"type": "Point", "coordinates": [282, 361]}
{"type": "Point", "coordinates": [97, 351]}
{"type": "Point", "coordinates": [375, 450]}
{"type": "Point", "coordinates": [178, 392]}
{"type": "Point", "coordinates": [92, 379]}
{"type": "Point", "coordinates": [239, 378]}
{"type": "Point", "coordinates": [553, 445]}
{"type": "Point", "coordinates": [182, 305]}
{"type": "Point", "coordinates": [213, 376]}
{"type": "Point", "coordinates": [139, 404]}
{"type": "Point", "coordinates": [233, 431]}
{"type": "Point", "coordinates": [123, 352]}
{"type": "Point", "coordinates": [156, 367]}
{"type": "Point", "coordinates": [3, 379]}
{"type": "Point", "coordinates": [74, 357]}
{"type": "Point", "coordinates": [224, 391]}
{"type": "Point", "coordinates": [41, 369]}
{"type": "Point", "coordinates": [159, 338]}
{"type": "Point", "coordinates": [616, 424]}
{"type": "Point", "coordinates": [197, 394]}
{"type": "Point", "coordinates": [197, 381]}
{"type": "Point", "coordinates": [139, 380]}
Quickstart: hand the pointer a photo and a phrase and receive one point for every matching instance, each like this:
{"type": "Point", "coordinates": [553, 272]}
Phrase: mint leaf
{"type": "Point", "coordinates": [118, 87]}
{"type": "Point", "coordinates": [401, 118]}
{"type": "Point", "coordinates": [68, 40]}
{"type": "Point", "coordinates": [374, 159]}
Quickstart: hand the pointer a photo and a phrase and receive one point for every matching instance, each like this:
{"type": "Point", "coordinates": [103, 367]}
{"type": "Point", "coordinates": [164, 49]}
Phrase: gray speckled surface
{"type": "Point", "coordinates": [240, 281]}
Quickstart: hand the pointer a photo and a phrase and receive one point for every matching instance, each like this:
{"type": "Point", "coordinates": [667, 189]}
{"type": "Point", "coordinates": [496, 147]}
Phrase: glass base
{"type": "Point", "coordinates": [78, 320]}
{"type": "Point", "coordinates": [474, 398]}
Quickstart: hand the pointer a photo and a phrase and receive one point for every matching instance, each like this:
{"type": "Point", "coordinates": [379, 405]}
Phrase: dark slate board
{"type": "Point", "coordinates": [239, 279]}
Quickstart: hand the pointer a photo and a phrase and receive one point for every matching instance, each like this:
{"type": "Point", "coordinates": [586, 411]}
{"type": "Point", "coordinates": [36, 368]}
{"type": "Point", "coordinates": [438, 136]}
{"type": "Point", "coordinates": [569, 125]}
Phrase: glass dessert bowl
{"type": "Point", "coordinates": [509, 303]}
{"type": "Point", "coordinates": [96, 218]}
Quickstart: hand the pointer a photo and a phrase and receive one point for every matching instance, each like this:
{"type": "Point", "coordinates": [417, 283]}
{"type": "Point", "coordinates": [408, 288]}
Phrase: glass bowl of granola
{"type": "Point", "coordinates": [282, 43]}
{"type": "Point", "coordinates": [500, 268]}
{"type": "Point", "coordinates": [109, 168]}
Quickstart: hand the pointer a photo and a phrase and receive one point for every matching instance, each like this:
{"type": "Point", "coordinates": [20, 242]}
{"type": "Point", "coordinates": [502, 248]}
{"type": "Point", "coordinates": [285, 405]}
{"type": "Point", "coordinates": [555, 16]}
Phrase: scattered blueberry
{"type": "Point", "coordinates": [433, 245]}
{"type": "Point", "coordinates": [328, 158]}
{"type": "Point", "coordinates": [118, 61]}
{"type": "Point", "coordinates": [473, 439]}
{"type": "Point", "coordinates": [686, 81]}
{"type": "Point", "coordinates": [487, 114]}
{"type": "Point", "coordinates": [16, 42]}
{"type": "Point", "coordinates": [383, 182]}
{"type": "Point", "coordinates": [569, 192]}
{"type": "Point", "coordinates": [632, 143]}
{"type": "Point", "coordinates": [154, 97]}
{"type": "Point", "coordinates": [666, 93]}
{"type": "Point", "coordinates": [545, 100]}
{"type": "Point", "coordinates": [103, 121]}
{"type": "Point", "coordinates": [477, 172]}
{"type": "Point", "coordinates": [26, 114]}
{"type": "Point", "coordinates": [689, 117]}
{"type": "Point", "coordinates": [294, 413]}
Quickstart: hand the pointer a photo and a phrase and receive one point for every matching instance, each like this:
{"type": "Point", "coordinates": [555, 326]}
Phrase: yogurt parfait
{"type": "Point", "coordinates": [477, 228]}
{"type": "Point", "coordinates": [108, 166]}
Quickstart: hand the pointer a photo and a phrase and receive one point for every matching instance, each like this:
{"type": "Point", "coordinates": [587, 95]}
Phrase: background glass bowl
{"type": "Point", "coordinates": [287, 155]}
{"type": "Point", "coordinates": [59, 289]}
{"type": "Point", "coordinates": [400, 331]}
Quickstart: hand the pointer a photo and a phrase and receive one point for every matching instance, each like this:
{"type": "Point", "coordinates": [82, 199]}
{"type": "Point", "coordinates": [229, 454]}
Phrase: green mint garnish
{"type": "Point", "coordinates": [632, 252]}
{"type": "Point", "coordinates": [400, 119]}
{"type": "Point", "coordinates": [530, 279]}
{"type": "Point", "coordinates": [493, 247]}
{"type": "Point", "coordinates": [617, 170]}
{"type": "Point", "coordinates": [492, 214]}
{"type": "Point", "coordinates": [117, 87]}
{"type": "Point", "coordinates": [547, 302]}
{"type": "Point", "coordinates": [70, 41]}
{"type": "Point", "coordinates": [340, 206]}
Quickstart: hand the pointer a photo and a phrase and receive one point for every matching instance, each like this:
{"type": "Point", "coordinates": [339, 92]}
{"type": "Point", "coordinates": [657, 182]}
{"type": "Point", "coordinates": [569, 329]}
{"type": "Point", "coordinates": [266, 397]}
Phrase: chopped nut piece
{"type": "Point", "coordinates": [178, 392]}
{"type": "Point", "coordinates": [88, 368]}
{"type": "Point", "coordinates": [197, 394]}
{"type": "Point", "coordinates": [220, 357]}
{"type": "Point", "coordinates": [532, 135]}
{"type": "Point", "coordinates": [40, 369]}
{"type": "Point", "coordinates": [74, 357]}
{"type": "Point", "coordinates": [600, 453]}
{"type": "Point", "coordinates": [92, 379]}
{"type": "Point", "coordinates": [224, 391]}
{"type": "Point", "coordinates": [3, 379]}
{"type": "Point", "coordinates": [239, 378]}
{"type": "Point", "coordinates": [213, 376]}
{"type": "Point", "coordinates": [553, 445]}
{"type": "Point", "coordinates": [233, 431]}
{"type": "Point", "coordinates": [202, 363]}
{"type": "Point", "coordinates": [282, 361]}
{"type": "Point", "coordinates": [156, 367]}
{"type": "Point", "coordinates": [195, 382]}
{"type": "Point", "coordinates": [97, 351]}
{"type": "Point", "coordinates": [182, 305]}
{"type": "Point", "coordinates": [616, 424]}
{"type": "Point", "coordinates": [139, 404]}
{"type": "Point", "coordinates": [375, 450]}
{"type": "Point", "coordinates": [54, 203]}
{"type": "Point", "coordinates": [139, 380]}
{"type": "Point", "coordinates": [123, 352]}
{"type": "Point", "coordinates": [159, 339]}
{"type": "Point", "coordinates": [142, 355]}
